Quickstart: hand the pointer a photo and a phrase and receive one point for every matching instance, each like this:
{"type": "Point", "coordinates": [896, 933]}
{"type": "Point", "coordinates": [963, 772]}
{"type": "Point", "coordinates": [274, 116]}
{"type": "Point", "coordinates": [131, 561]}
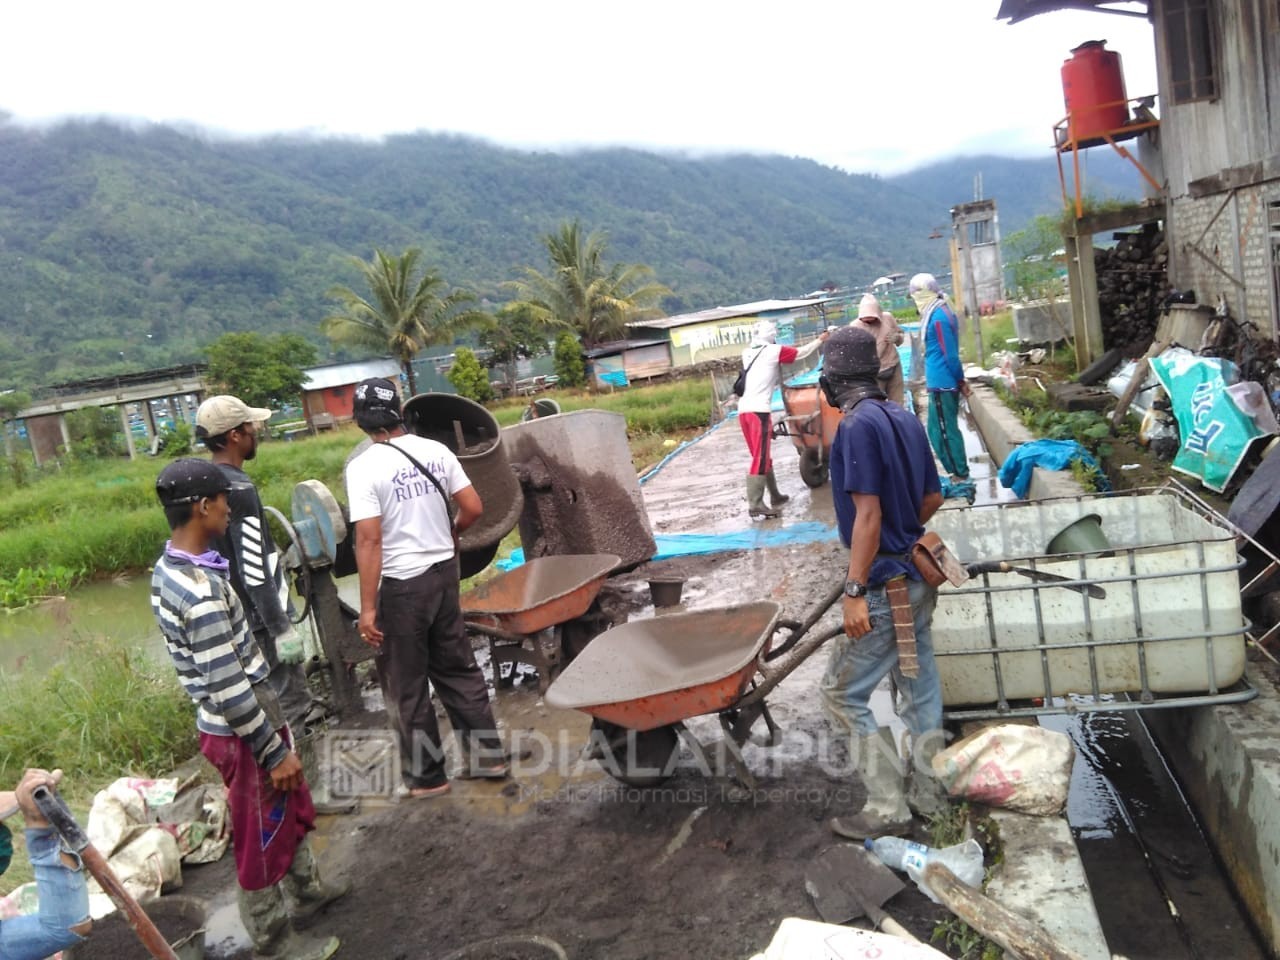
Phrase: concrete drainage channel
{"type": "Point", "coordinates": [1157, 886]}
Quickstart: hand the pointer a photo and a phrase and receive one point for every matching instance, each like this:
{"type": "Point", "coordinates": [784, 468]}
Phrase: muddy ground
{"type": "Point", "coordinates": [564, 851]}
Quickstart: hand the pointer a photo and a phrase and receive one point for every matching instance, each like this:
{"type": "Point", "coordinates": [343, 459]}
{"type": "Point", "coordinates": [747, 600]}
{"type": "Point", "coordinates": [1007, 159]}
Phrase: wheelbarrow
{"type": "Point", "coordinates": [522, 611]}
{"type": "Point", "coordinates": [640, 681]}
{"type": "Point", "coordinates": [811, 423]}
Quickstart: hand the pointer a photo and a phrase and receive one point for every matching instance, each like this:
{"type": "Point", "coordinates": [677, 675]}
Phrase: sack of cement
{"type": "Point", "coordinates": [1011, 765]}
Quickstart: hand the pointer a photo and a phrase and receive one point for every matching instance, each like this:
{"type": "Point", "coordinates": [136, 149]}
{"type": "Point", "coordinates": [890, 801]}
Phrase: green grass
{"type": "Point", "coordinates": [101, 517]}
{"type": "Point", "coordinates": [102, 713]}
{"type": "Point", "coordinates": [954, 826]}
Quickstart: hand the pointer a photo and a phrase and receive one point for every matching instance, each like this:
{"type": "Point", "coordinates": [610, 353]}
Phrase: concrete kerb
{"type": "Point", "coordinates": [1041, 876]}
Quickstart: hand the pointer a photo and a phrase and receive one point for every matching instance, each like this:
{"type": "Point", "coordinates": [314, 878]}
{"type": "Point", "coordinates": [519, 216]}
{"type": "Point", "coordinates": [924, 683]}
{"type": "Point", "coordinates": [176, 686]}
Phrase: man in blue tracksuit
{"type": "Point", "coordinates": [943, 373]}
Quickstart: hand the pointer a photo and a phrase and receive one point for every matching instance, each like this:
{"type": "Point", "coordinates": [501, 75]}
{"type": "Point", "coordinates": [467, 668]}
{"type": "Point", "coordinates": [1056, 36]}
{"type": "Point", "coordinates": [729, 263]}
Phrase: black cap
{"type": "Point", "coordinates": [376, 405]}
{"type": "Point", "coordinates": [188, 480]}
{"type": "Point", "coordinates": [850, 352]}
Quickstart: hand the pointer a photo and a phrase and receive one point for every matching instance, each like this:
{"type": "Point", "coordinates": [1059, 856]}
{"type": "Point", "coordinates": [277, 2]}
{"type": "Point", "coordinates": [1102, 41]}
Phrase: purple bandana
{"type": "Point", "coordinates": [210, 558]}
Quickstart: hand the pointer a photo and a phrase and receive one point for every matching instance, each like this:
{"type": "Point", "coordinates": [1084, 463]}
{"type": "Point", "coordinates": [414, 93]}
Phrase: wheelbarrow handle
{"type": "Point", "coordinates": [53, 809]}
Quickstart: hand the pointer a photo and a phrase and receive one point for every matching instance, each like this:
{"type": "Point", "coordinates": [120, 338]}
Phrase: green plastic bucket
{"type": "Point", "coordinates": [1081, 536]}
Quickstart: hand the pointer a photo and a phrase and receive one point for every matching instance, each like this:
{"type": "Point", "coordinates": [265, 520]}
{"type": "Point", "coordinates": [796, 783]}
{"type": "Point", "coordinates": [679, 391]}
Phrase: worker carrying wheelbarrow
{"type": "Point", "coordinates": [885, 487]}
{"type": "Point", "coordinates": [762, 363]}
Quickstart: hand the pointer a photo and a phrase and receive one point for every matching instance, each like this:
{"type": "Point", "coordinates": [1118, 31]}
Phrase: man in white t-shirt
{"type": "Point", "coordinates": [763, 362]}
{"type": "Point", "coordinates": [399, 492]}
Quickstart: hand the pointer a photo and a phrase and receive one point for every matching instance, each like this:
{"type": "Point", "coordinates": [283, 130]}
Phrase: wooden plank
{"type": "Point", "coordinates": [1018, 935]}
{"type": "Point", "coordinates": [1139, 375]}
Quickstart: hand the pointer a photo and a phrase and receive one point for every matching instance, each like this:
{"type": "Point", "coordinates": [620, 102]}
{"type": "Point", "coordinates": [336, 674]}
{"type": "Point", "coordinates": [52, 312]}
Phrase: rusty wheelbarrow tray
{"type": "Point", "coordinates": [514, 608]}
{"type": "Point", "coordinates": [811, 424]}
{"type": "Point", "coordinates": [641, 680]}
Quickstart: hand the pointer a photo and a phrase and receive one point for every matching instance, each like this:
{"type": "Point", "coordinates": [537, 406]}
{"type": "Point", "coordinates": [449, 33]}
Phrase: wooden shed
{"type": "Point", "coordinates": [327, 391]}
{"type": "Point", "coordinates": [619, 363]}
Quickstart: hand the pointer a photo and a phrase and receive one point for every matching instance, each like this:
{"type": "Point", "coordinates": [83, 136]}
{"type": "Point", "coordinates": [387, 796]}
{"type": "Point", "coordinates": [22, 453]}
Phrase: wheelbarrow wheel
{"type": "Point", "coordinates": [638, 758]}
{"type": "Point", "coordinates": [813, 467]}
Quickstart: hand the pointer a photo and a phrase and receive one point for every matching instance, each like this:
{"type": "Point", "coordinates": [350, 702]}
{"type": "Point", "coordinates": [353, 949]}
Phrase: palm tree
{"type": "Point", "coordinates": [581, 293]}
{"type": "Point", "coordinates": [402, 314]}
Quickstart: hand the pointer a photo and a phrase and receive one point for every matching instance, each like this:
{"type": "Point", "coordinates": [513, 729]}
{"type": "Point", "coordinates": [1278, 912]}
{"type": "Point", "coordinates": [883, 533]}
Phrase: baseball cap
{"type": "Point", "coordinates": [376, 404]}
{"type": "Point", "coordinates": [850, 351]}
{"type": "Point", "coordinates": [190, 479]}
{"type": "Point", "coordinates": [219, 414]}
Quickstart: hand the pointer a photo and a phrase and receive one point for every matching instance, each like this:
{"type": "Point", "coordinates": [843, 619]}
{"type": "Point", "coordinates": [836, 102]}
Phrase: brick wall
{"type": "Point", "coordinates": [1236, 241]}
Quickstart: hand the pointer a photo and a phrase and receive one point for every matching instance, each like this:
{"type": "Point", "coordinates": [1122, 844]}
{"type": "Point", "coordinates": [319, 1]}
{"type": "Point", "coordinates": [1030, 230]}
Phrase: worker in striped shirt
{"type": "Point", "coordinates": [242, 728]}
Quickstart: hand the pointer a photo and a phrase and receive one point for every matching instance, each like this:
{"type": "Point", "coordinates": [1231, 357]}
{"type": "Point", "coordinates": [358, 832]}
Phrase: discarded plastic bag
{"type": "Point", "coordinates": [1011, 765]}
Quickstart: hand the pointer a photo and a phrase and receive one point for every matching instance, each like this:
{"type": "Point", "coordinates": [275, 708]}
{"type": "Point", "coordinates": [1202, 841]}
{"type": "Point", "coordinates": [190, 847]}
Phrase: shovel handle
{"type": "Point", "coordinates": [53, 809]}
{"type": "Point", "coordinates": [892, 926]}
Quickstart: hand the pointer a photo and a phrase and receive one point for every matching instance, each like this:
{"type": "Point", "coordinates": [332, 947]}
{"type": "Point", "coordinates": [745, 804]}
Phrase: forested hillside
{"type": "Point", "coordinates": [123, 249]}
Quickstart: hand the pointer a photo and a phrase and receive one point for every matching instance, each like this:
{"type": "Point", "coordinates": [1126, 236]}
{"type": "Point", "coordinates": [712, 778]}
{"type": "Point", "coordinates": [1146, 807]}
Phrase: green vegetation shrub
{"type": "Point", "coordinates": [30, 584]}
{"type": "Point", "coordinates": [468, 377]}
{"type": "Point", "coordinates": [568, 361]}
{"type": "Point", "coordinates": [177, 440]}
{"type": "Point", "coordinates": [95, 432]}
{"type": "Point", "coordinates": [1088, 428]}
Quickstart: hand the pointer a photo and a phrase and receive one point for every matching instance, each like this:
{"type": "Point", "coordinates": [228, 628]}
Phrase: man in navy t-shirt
{"type": "Point", "coordinates": [885, 487]}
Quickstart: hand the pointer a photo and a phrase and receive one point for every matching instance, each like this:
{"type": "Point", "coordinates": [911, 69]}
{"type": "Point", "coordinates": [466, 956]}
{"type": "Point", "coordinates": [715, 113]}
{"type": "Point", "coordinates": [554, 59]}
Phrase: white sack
{"type": "Point", "coordinates": [1019, 767]}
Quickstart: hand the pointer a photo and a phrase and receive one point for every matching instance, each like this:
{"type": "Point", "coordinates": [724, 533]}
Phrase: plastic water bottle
{"type": "Point", "coordinates": [962, 859]}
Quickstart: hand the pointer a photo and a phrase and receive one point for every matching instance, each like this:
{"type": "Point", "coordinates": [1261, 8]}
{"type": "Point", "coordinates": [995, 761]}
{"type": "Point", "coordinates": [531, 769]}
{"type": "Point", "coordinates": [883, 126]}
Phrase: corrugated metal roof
{"type": "Point", "coordinates": [726, 313]}
{"type": "Point", "coordinates": [1017, 10]}
{"type": "Point", "coordinates": [341, 374]}
{"type": "Point", "coordinates": [618, 346]}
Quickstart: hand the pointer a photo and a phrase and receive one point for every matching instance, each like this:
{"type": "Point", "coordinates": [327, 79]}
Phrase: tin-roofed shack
{"type": "Point", "coordinates": [722, 332]}
{"type": "Point", "coordinates": [327, 390]}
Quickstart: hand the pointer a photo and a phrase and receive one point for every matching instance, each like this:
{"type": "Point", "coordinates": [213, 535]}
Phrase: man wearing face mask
{"type": "Point", "coordinates": [885, 488]}
{"type": "Point", "coordinates": [944, 373]}
{"type": "Point", "coordinates": [763, 362]}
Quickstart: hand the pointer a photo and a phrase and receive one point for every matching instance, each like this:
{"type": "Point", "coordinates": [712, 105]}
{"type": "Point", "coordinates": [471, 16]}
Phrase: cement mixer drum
{"type": "Point", "coordinates": [319, 522]}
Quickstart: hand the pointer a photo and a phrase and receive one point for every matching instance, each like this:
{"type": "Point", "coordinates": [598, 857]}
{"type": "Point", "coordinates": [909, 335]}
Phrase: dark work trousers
{"type": "Point", "coordinates": [424, 639]}
{"type": "Point", "coordinates": [288, 681]}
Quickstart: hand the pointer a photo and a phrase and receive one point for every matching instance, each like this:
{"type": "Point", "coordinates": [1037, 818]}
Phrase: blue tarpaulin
{"type": "Point", "coordinates": [1052, 455]}
{"type": "Point", "coordinates": [699, 544]}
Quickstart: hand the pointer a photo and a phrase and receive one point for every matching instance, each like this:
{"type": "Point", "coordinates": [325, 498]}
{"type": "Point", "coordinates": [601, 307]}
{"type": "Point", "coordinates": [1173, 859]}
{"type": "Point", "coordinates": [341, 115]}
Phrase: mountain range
{"type": "Point", "coordinates": [127, 248]}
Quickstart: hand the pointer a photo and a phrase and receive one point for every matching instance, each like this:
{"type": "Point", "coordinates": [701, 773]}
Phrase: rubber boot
{"type": "Point", "coordinates": [308, 893]}
{"type": "Point", "coordinates": [886, 811]}
{"type": "Point", "coordinates": [755, 498]}
{"type": "Point", "coordinates": [926, 795]}
{"type": "Point", "coordinates": [776, 497]}
{"type": "Point", "coordinates": [264, 916]}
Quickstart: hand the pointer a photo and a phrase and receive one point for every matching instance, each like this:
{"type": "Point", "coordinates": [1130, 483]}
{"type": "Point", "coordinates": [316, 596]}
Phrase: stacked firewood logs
{"type": "Point", "coordinates": [1132, 286]}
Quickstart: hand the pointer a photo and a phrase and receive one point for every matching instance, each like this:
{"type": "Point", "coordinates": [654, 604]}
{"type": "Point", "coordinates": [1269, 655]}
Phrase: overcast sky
{"type": "Point", "coordinates": [870, 87]}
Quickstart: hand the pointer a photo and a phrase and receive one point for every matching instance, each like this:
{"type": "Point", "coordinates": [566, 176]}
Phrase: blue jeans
{"type": "Point", "coordinates": [856, 668]}
{"type": "Point", "coordinates": [64, 902]}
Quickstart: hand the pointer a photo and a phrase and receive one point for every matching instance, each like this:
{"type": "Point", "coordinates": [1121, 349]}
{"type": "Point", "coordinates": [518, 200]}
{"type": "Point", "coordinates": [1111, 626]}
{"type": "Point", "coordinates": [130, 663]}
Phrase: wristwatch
{"type": "Point", "coordinates": [855, 588]}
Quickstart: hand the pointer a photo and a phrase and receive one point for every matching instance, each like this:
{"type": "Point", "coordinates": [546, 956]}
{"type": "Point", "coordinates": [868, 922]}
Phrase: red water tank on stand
{"type": "Point", "coordinates": [1093, 90]}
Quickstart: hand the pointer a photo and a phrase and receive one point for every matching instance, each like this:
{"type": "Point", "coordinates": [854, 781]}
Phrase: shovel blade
{"type": "Point", "coordinates": [844, 878]}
